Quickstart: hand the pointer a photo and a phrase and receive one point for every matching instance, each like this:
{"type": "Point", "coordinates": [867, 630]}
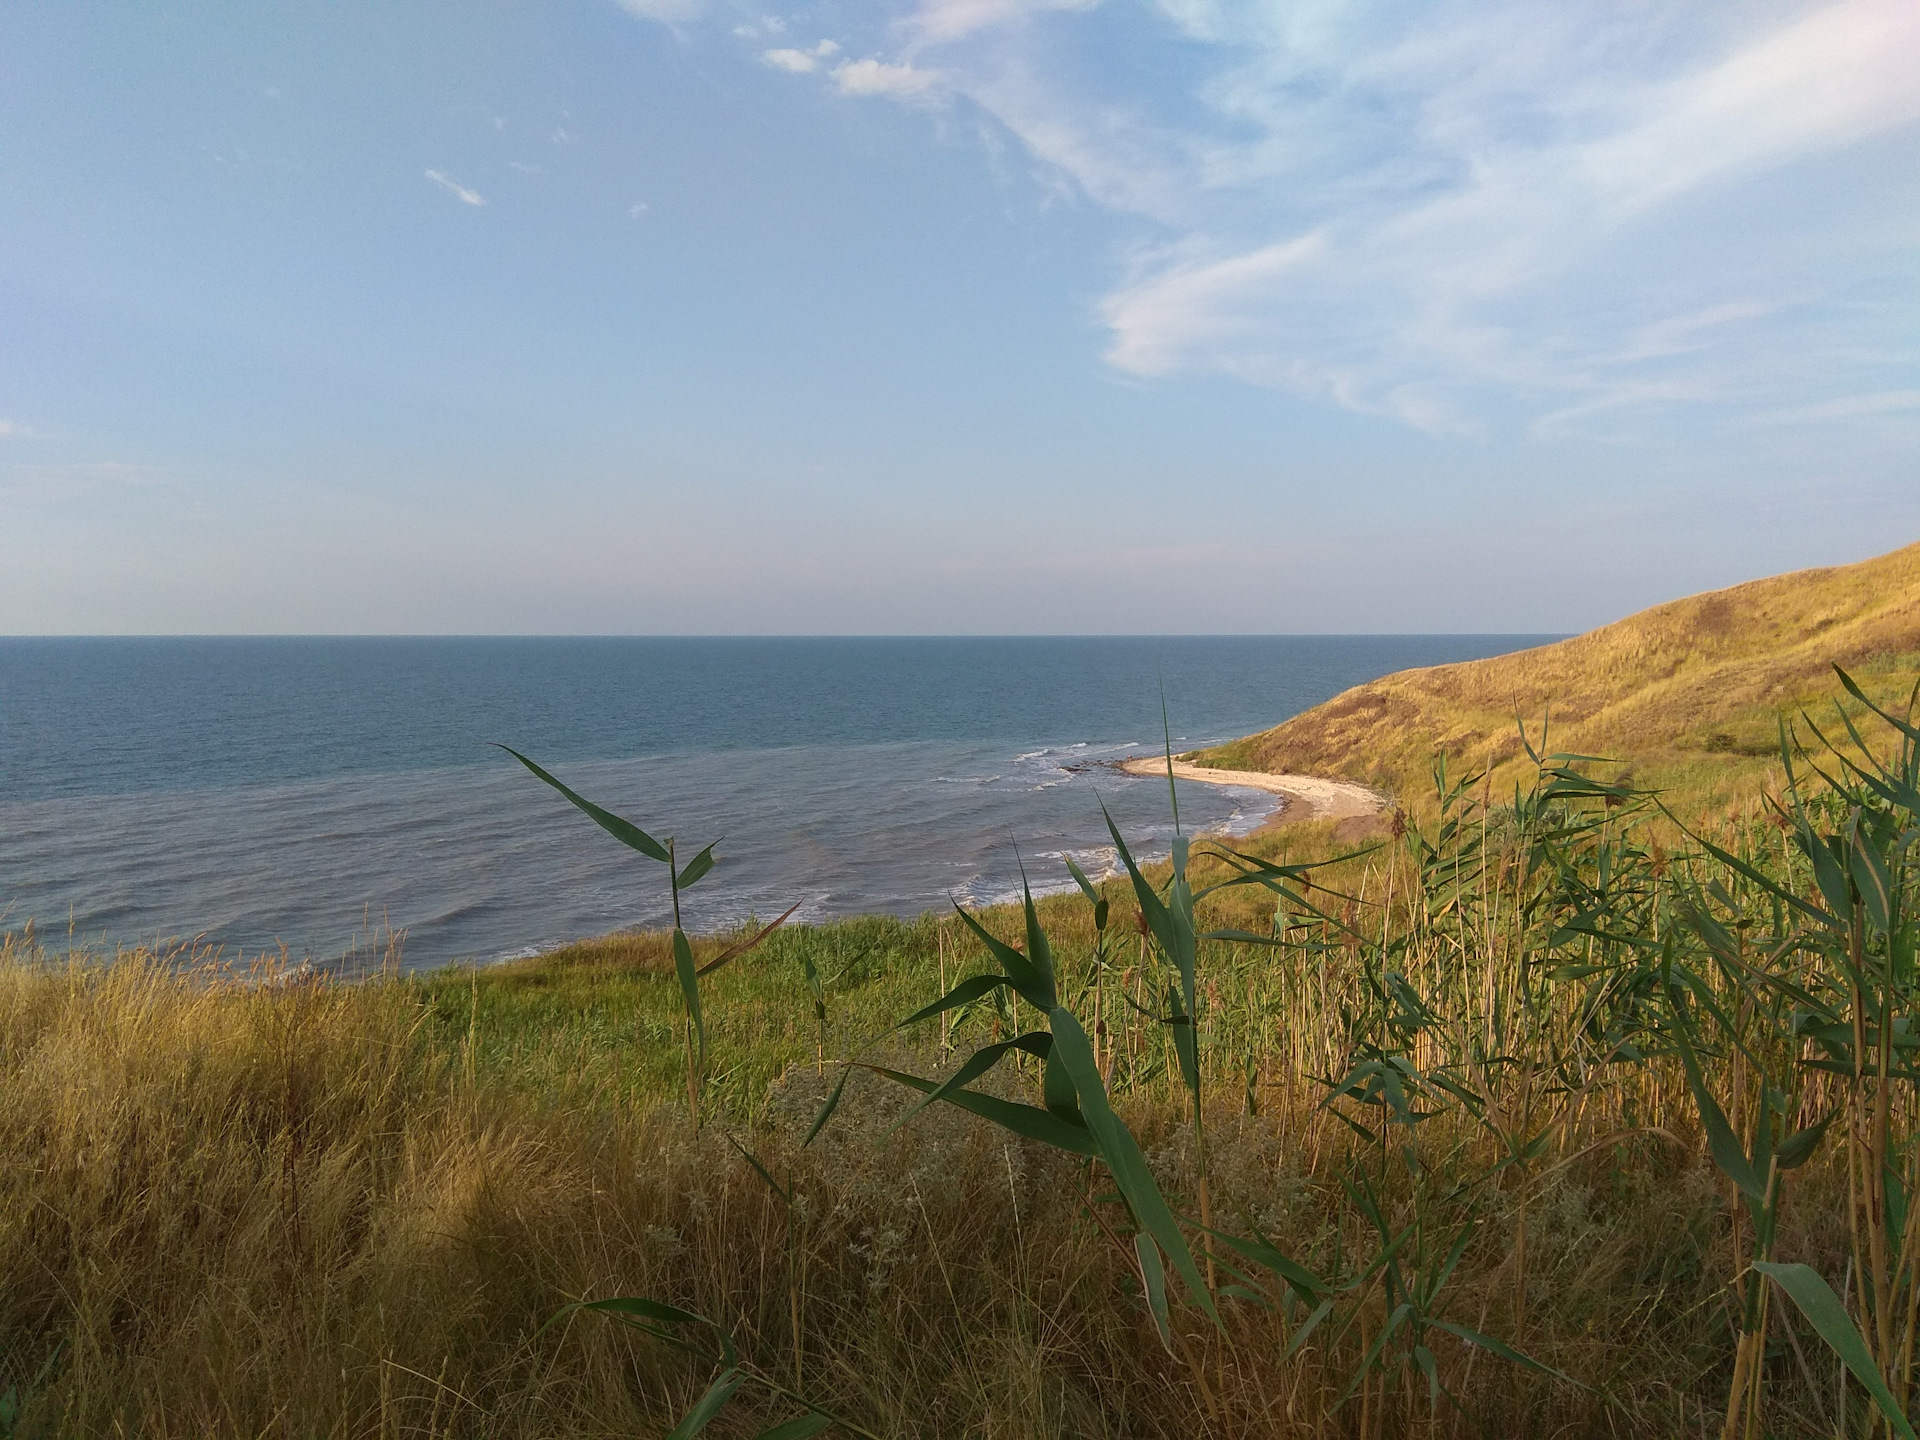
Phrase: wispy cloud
{"type": "Point", "coordinates": [1480, 212]}
{"type": "Point", "coordinates": [1849, 407]}
{"type": "Point", "coordinates": [15, 430]}
{"type": "Point", "coordinates": [1590, 255]}
{"type": "Point", "coordinates": [454, 188]}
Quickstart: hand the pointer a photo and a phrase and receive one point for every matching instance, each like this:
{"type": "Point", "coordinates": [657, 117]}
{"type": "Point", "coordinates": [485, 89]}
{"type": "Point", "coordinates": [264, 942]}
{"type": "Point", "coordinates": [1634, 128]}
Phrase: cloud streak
{"type": "Point", "coordinates": [454, 188]}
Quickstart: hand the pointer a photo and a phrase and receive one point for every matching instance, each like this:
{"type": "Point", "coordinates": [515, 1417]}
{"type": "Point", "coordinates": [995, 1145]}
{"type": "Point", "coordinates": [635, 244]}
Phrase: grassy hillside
{"type": "Point", "coordinates": [1685, 693]}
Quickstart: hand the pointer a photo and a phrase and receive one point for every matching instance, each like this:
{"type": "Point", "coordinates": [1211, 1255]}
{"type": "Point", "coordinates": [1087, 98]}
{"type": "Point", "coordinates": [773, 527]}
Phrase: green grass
{"type": "Point", "coordinates": [600, 1021]}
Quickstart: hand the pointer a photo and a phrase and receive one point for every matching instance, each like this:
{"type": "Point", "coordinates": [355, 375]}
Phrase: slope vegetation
{"type": "Point", "coordinates": [1685, 694]}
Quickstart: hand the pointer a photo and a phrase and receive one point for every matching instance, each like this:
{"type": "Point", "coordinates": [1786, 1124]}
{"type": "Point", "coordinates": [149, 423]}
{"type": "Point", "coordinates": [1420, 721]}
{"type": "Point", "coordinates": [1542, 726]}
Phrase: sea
{"type": "Point", "coordinates": [295, 796]}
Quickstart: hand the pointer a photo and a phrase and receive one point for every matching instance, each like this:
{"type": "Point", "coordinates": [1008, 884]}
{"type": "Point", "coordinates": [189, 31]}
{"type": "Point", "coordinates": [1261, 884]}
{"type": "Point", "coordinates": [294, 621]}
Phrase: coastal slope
{"type": "Point", "coordinates": [1684, 692]}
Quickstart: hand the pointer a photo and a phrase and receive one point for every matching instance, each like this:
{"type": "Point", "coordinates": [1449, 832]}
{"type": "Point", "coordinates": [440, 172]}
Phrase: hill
{"type": "Point", "coordinates": [1685, 694]}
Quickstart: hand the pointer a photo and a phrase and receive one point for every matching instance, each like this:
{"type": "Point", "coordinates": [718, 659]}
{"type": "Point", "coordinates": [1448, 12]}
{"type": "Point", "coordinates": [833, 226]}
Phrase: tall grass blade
{"type": "Point", "coordinates": [752, 942]}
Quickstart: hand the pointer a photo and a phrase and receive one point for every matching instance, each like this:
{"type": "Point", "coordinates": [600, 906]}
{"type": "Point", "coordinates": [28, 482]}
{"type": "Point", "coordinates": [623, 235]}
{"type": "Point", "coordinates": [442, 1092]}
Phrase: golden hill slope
{"type": "Point", "coordinates": [1685, 692]}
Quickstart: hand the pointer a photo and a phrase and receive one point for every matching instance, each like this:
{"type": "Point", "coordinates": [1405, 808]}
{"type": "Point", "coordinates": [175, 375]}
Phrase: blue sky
{"type": "Point", "coordinates": [957, 316]}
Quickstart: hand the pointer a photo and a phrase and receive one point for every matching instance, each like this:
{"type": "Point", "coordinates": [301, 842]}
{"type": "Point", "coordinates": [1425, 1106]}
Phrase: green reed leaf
{"type": "Point", "coordinates": [1828, 871]}
{"type": "Point", "coordinates": [643, 1314]}
{"type": "Point", "coordinates": [625, 831]}
{"type": "Point", "coordinates": [1808, 1290]}
{"type": "Point", "coordinates": [1034, 1042]}
{"type": "Point", "coordinates": [697, 868]}
{"type": "Point", "coordinates": [826, 1110]}
{"type": "Point", "coordinates": [1303, 1282]}
{"type": "Point", "coordinates": [1034, 984]}
{"type": "Point", "coordinates": [709, 1405]}
{"type": "Point", "coordinates": [976, 987]}
{"type": "Point", "coordinates": [1094, 897]}
{"type": "Point", "coordinates": [1308, 1326]}
{"type": "Point", "coordinates": [1057, 1090]}
{"type": "Point", "coordinates": [1121, 1152]}
{"type": "Point", "coordinates": [1871, 879]}
{"type": "Point", "coordinates": [1854, 690]}
{"type": "Point", "coordinates": [1029, 1121]}
{"type": "Point", "coordinates": [760, 1170]}
{"type": "Point", "coordinates": [1039, 952]}
{"type": "Point", "coordinates": [1799, 1147]}
{"type": "Point", "coordinates": [1728, 1153]}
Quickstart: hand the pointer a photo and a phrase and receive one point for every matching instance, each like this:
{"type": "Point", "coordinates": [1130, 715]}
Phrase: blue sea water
{"type": "Point", "coordinates": [283, 791]}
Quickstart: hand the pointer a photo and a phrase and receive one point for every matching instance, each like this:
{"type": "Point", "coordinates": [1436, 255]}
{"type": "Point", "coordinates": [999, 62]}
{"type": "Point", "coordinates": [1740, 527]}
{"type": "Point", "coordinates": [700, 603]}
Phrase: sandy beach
{"type": "Point", "coordinates": [1308, 797]}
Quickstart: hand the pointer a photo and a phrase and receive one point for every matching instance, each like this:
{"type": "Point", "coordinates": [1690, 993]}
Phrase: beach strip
{"type": "Point", "coordinates": [1308, 797]}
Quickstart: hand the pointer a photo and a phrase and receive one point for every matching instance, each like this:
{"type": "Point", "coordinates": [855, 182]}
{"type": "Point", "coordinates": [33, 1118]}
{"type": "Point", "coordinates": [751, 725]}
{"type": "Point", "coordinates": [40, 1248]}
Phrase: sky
{"type": "Point", "coordinates": [947, 316]}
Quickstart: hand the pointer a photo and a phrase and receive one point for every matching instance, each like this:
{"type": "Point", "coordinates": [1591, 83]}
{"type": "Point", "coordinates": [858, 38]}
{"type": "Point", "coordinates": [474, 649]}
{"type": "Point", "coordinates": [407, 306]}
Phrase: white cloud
{"type": "Point", "coordinates": [878, 77]}
{"type": "Point", "coordinates": [801, 62]}
{"type": "Point", "coordinates": [637, 209]}
{"type": "Point", "coordinates": [14, 430]}
{"type": "Point", "coordinates": [794, 62]}
{"type": "Point", "coordinates": [456, 189]}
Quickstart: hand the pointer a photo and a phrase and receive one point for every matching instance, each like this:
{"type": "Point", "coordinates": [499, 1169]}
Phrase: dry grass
{"type": "Point", "coordinates": [243, 1208]}
{"type": "Point", "coordinates": [1685, 693]}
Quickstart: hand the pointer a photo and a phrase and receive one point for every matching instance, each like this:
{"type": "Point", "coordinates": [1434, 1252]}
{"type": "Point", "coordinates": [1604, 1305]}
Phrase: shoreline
{"type": "Point", "coordinates": [1307, 797]}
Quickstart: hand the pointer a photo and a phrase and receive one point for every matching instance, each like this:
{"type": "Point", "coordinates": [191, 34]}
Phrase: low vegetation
{"type": "Point", "coordinates": [1527, 1119]}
